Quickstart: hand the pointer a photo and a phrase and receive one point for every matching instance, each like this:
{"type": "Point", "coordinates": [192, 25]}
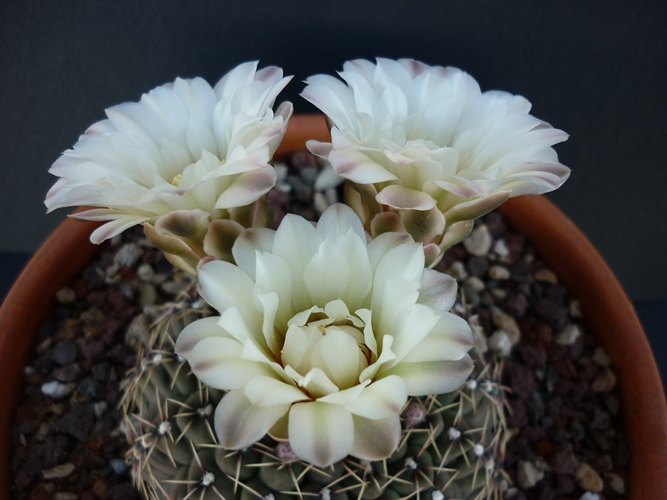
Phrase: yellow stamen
{"type": "Point", "coordinates": [177, 179]}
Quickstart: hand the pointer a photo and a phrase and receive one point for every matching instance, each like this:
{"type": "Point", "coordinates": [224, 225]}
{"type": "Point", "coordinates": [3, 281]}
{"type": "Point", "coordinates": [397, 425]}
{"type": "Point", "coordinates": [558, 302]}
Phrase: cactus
{"type": "Point", "coordinates": [451, 447]}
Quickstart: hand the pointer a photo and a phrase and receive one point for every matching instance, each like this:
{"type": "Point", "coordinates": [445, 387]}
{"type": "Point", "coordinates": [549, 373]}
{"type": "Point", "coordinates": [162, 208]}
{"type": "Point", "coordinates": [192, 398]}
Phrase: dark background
{"type": "Point", "coordinates": [595, 69]}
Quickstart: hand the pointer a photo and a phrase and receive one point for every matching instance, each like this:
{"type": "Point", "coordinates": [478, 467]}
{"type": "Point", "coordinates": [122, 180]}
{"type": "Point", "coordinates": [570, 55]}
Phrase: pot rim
{"type": "Point", "coordinates": [606, 309]}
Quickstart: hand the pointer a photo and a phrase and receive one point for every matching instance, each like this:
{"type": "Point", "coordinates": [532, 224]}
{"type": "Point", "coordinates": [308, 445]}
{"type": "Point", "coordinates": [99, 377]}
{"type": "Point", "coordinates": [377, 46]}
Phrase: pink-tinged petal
{"type": "Point", "coordinates": [247, 188]}
{"type": "Point", "coordinates": [437, 291]}
{"type": "Point", "coordinates": [216, 361]}
{"type": "Point", "coordinates": [321, 149]}
{"type": "Point", "coordinates": [320, 433]}
{"type": "Point", "coordinates": [239, 423]}
{"type": "Point", "coordinates": [375, 439]}
{"type": "Point", "coordinates": [403, 198]}
{"type": "Point", "coordinates": [432, 377]}
{"type": "Point", "coordinates": [269, 391]}
{"type": "Point", "coordinates": [357, 167]}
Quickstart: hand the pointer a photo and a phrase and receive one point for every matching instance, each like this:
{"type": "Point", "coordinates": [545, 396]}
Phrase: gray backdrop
{"type": "Point", "coordinates": [595, 69]}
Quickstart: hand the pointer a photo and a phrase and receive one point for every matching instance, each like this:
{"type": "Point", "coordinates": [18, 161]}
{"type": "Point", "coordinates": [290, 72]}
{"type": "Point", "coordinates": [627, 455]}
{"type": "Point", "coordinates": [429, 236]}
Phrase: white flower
{"type": "Point", "coordinates": [185, 146]}
{"type": "Point", "coordinates": [425, 138]}
{"type": "Point", "coordinates": [323, 336]}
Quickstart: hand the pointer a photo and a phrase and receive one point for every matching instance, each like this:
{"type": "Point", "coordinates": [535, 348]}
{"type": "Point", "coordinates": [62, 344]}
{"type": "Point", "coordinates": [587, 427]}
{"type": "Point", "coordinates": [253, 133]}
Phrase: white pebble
{"type": "Point", "coordinates": [281, 171]}
{"type": "Point", "coordinates": [589, 496]}
{"type": "Point", "coordinates": [527, 474]}
{"type": "Point", "coordinates": [500, 343]}
{"type": "Point", "coordinates": [501, 249]}
{"type": "Point", "coordinates": [59, 471]}
{"type": "Point", "coordinates": [506, 323]}
{"type": "Point", "coordinates": [475, 284]}
{"type": "Point", "coordinates": [328, 179]}
{"type": "Point", "coordinates": [128, 255]}
{"type": "Point", "coordinates": [479, 242]}
{"type": "Point", "coordinates": [320, 202]}
{"type": "Point", "coordinates": [331, 195]}
{"type": "Point", "coordinates": [569, 335]}
{"type": "Point", "coordinates": [458, 270]}
{"type": "Point", "coordinates": [499, 273]}
{"type": "Point", "coordinates": [56, 390]}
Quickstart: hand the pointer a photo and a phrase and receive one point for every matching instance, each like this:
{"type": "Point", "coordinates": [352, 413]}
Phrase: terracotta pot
{"type": "Point", "coordinates": [608, 311]}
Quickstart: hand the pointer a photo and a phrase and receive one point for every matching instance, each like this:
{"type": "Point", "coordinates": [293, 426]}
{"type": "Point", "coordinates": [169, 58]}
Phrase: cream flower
{"type": "Point", "coordinates": [185, 147]}
{"type": "Point", "coordinates": [412, 137]}
{"type": "Point", "coordinates": [322, 337]}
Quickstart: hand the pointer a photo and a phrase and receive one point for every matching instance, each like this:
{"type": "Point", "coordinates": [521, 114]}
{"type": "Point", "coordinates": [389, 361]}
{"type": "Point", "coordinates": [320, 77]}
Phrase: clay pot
{"type": "Point", "coordinates": [563, 247]}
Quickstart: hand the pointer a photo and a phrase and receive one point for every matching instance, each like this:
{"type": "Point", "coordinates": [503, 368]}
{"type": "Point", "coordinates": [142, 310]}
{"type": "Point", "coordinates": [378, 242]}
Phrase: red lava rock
{"type": "Point", "coordinates": [543, 448]}
{"type": "Point", "coordinates": [564, 460]}
{"type": "Point", "coordinates": [516, 305]}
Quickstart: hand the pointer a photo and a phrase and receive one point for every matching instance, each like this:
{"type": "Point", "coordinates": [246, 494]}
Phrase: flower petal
{"type": "Point", "coordinates": [320, 433]}
{"type": "Point", "coordinates": [268, 391]}
{"type": "Point", "coordinates": [375, 439]}
{"type": "Point", "coordinates": [217, 362]}
{"type": "Point", "coordinates": [381, 399]}
{"type": "Point", "coordinates": [404, 198]}
{"type": "Point", "coordinates": [432, 377]}
{"type": "Point", "coordinates": [239, 423]}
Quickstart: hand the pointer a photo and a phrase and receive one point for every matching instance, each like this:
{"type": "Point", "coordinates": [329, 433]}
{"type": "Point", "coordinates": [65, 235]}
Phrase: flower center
{"type": "Point", "coordinates": [332, 345]}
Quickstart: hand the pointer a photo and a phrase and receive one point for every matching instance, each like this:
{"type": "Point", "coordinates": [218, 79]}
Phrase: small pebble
{"type": "Point", "coordinates": [458, 271]}
{"type": "Point", "coordinates": [499, 342]}
{"type": "Point", "coordinates": [506, 323]}
{"type": "Point", "coordinates": [589, 496]}
{"type": "Point", "coordinates": [474, 283]}
{"type": "Point", "coordinates": [137, 332]}
{"type": "Point", "coordinates": [499, 273]}
{"type": "Point", "coordinates": [65, 295]}
{"type": "Point", "coordinates": [128, 255]}
{"type": "Point", "coordinates": [320, 202]}
{"type": "Point", "coordinates": [57, 390]}
{"type": "Point", "coordinates": [616, 482]}
{"type": "Point", "coordinates": [604, 382]}
{"type": "Point", "coordinates": [588, 479]}
{"type": "Point", "coordinates": [546, 275]}
{"type": "Point", "coordinates": [527, 474]}
{"type": "Point", "coordinates": [64, 352]}
{"type": "Point", "coordinates": [601, 357]}
{"type": "Point", "coordinates": [59, 471]}
{"type": "Point", "coordinates": [569, 335]}
{"type": "Point", "coordinates": [479, 242]}
{"type": "Point", "coordinates": [65, 495]}
{"type": "Point", "coordinates": [500, 248]}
